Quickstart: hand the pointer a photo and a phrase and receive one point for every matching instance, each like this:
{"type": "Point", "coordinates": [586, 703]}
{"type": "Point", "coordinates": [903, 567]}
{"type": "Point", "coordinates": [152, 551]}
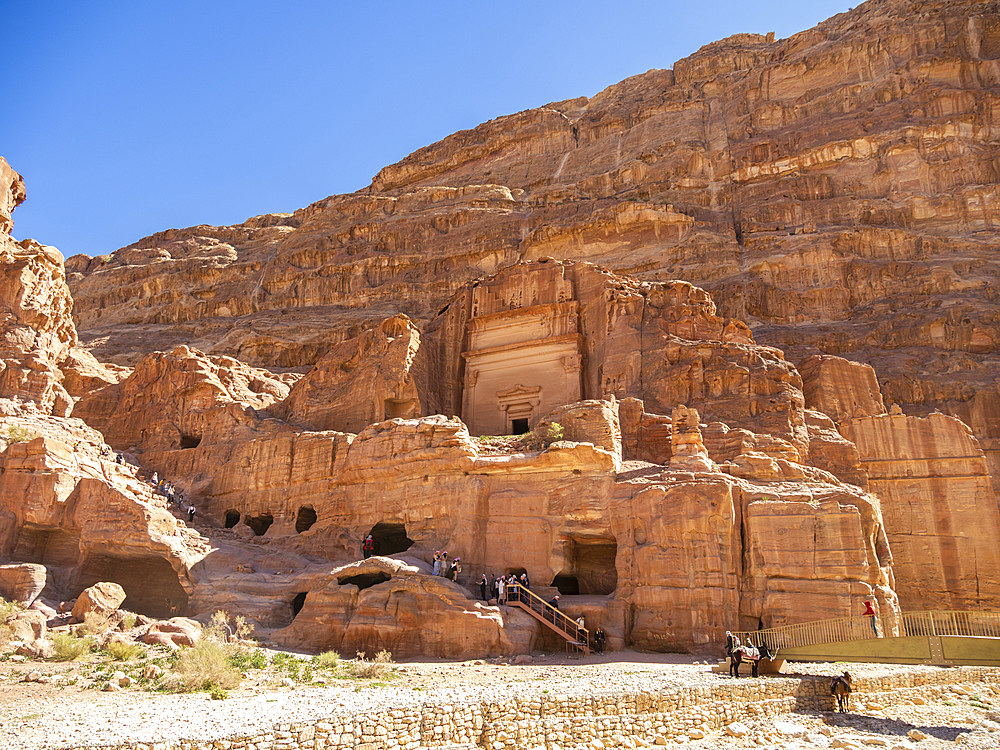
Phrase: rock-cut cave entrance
{"type": "Point", "coordinates": [589, 567]}
{"type": "Point", "coordinates": [260, 524]}
{"type": "Point", "coordinates": [151, 584]}
{"type": "Point", "coordinates": [390, 537]}
{"type": "Point", "coordinates": [298, 602]}
{"type": "Point", "coordinates": [232, 518]}
{"type": "Point", "coordinates": [305, 518]}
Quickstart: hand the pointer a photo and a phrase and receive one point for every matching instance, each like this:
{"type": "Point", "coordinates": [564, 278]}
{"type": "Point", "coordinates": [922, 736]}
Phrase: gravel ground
{"type": "Point", "coordinates": [38, 715]}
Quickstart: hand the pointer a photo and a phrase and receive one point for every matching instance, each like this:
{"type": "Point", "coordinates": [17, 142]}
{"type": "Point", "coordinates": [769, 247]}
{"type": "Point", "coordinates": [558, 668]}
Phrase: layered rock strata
{"type": "Point", "coordinates": [835, 189]}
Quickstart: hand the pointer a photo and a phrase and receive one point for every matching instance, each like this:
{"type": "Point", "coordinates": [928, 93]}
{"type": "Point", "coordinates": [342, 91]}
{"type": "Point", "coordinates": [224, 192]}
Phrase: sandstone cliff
{"type": "Point", "coordinates": [835, 189]}
{"type": "Point", "coordinates": [337, 372]}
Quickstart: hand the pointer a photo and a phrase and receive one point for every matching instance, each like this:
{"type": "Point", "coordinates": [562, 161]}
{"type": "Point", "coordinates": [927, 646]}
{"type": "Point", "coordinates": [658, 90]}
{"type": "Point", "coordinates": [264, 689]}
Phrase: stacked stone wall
{"type": "Point", "coordinates": [567, 721]}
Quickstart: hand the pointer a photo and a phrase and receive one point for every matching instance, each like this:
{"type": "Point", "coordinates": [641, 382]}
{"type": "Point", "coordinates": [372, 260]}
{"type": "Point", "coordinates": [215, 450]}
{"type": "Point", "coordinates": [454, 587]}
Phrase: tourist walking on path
{"type": "Point", "coordinates": [599, 639]}
{"type": "Point", "coordinates": [368, 547]}
{"type": "Point", "coordinates": [437, 563]}
{"type": "Point", "coordinates": [501, 590]}
{"type": "Point", "coordinates": [454, 569]}
{"type": "Point", "coordinates": [483, 583]}
{"type": "Point", "coordinates": [190, 513]}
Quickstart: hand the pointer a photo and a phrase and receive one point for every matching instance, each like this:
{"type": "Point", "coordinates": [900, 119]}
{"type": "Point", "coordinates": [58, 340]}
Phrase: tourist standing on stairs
{"type": "Point", "coordinates": [368, 547]}
{"type": "Point", "coordinates": [581, 627]}
{"type": "Point", "coordinates": [524, 580]}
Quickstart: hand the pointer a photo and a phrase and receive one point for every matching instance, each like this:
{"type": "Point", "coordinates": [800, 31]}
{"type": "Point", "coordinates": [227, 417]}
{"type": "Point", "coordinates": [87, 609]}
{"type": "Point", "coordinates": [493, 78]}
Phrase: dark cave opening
{"type": "Point", "coordinates": [232, 518]}
{"type": "Point", "coordinates": [190, 441]}
{"type": "Point", "coordinates": [305, 518]}
{"type": "Point", "coordinates": [590, 568]}
{"type": "Point", "coordinates": [390, 537]}
{"type": "Point", "coordinates": [298, 602]}
{"type": "Point", "coordinates": [260, 524]}
{"type": "Point", "coordinates": [365, 580]}
{"type": "Point", "coordinates": [151, 585]}
{"type": "Point", "coordinates": [567, 585]}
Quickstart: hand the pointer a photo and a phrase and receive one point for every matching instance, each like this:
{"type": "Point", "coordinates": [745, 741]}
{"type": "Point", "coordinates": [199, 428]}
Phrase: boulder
{"type": "Point", "coordinates": [22, 582]}
{"type": "Point", "coordinates": [172, 633]}
{"type": "Point", "coordinates": [102, 598]}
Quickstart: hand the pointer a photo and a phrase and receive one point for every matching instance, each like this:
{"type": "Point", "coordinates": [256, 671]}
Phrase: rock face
{"type": "Point", "coordinates": [382, 603]}
{"type": "Point", "coordinates": [834, 189]}
{"type": "Point", "coordinates": [167, 399]}
{"type": "Point", "coordinates": [939, 506]}
{"type": "Point", "coordinates": [839, 388]}
{"type": "Point", "coordinates": [90, 520]}
{"type": "Point", "coordinates": [363, 380]}
{"type": "Point", "coordinates": [35, 321]}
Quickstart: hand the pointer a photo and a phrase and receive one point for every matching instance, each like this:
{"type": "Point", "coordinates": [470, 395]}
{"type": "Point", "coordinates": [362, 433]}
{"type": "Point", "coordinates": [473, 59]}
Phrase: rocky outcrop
{"type": "Point", "coordinates": [826, 188]}
{"type": "Point", "coordinates": [384, 604]}
{"type": "Point", "coordinates": [36, 330]}
{"type": "Point", "coordinates": [22, 582]}
{"type": "Point", "coordinates": [77, 512]}
{"type": "Point", "coordinates": [363, 380]}
{"type": "Point", "coordinates": [173, 399]}
{"type": "Point", "coordinates": [839, 388]}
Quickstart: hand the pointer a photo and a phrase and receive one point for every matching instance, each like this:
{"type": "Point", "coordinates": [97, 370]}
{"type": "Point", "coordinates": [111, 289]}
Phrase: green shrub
{"type": "Point", "coordinates": [218, 693]}
{"type": "Point", "coordinates": [244, 660]}
{"type": "Point", "coordinates": [120, 651]}
{"type": "Point", "coordinates": [327, 660]}
{"type": "Point", "coordinates": [543, 435]}
{"type": "Point", "coordinates": [70, 647]}
{"type": "Point", "coordinates": [128, 622]}
{"type": "Point", "coordinates": [18, 434]}
{"type": "Point", "coordinates": [205, 666]}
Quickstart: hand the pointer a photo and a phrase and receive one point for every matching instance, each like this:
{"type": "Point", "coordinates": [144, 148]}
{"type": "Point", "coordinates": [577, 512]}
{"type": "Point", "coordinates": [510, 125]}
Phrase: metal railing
{"type": "Point", "coordinates": [562, 623]}
{"type": "Point", "coordinates": [934, 623]}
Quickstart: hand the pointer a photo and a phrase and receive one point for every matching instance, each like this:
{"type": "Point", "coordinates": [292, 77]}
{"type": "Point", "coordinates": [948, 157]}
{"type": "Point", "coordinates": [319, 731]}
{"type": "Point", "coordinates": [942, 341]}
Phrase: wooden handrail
{"type": "Point", "coordinates": [560, 621]}
{"type": "Point", "coordinates": [858, 628]}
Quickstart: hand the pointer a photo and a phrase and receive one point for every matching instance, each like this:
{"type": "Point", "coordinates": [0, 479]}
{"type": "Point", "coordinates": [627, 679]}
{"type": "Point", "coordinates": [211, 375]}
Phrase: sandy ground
{"type": "Point", "coordinates": [49, 715]}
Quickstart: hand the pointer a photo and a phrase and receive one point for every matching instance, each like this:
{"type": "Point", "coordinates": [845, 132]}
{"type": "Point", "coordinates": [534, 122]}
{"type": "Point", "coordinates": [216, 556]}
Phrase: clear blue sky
{"type": "Point", "coordinates": [126, 118]}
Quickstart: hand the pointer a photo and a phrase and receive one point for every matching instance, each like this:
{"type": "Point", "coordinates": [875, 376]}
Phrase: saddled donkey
{"type": "Point", "coordinates": [841, 688]}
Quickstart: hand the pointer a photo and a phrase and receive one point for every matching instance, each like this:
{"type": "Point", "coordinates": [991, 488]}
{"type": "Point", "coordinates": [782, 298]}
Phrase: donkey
{"type": "Point", "coordinates": [841, 688]}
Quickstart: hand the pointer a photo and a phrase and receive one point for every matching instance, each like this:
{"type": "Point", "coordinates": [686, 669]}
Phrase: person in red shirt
{"type": "Point", "coordinates": [870, 612]}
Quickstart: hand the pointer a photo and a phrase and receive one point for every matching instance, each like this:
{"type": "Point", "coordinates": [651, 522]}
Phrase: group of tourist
{"type": "Point", "coordinates": [173, 495]}
{"type": "Point", "coordinates": [443, 568]}
{"type": "Point", "coordinates": [498, 590]}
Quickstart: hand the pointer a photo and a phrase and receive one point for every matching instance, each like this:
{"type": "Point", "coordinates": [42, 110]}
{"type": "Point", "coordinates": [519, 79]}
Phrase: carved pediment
{"type": "Point", "coordinates": [519, 393]}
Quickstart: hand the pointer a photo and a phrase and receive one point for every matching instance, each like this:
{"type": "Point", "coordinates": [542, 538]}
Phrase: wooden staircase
{"type": "Point", "coordinates": [552, 618]}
